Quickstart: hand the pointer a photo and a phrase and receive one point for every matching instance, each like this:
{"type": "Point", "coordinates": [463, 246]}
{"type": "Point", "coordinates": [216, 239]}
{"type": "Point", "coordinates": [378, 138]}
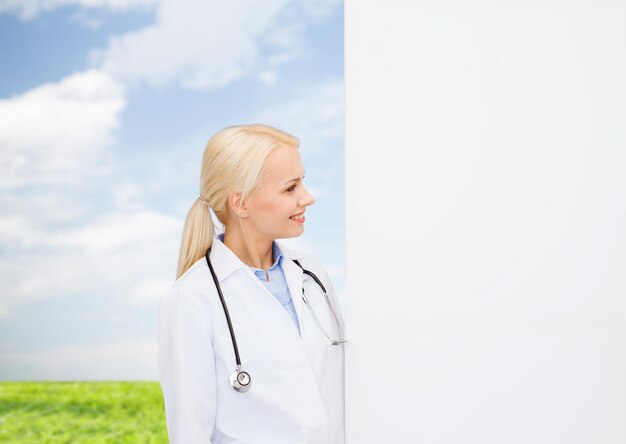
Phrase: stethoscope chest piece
{"type": "Point", "coordinates": [240, 380]}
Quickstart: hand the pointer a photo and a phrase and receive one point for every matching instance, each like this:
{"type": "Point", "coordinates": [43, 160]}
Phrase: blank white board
{"type": "Point", "coordinates": [485, 280]}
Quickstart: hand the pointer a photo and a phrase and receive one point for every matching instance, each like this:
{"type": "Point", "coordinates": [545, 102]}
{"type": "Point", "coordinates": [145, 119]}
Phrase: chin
{"type": "Point", "coordinates": [291, 233]}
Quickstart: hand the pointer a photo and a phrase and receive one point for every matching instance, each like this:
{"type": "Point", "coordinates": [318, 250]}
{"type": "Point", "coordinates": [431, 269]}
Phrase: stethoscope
{"type": "Point", "coordinates": [240, 380]}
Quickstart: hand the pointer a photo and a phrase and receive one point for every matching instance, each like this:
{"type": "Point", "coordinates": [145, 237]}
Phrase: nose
{"type": "Point", "coordinates": [307, 199]}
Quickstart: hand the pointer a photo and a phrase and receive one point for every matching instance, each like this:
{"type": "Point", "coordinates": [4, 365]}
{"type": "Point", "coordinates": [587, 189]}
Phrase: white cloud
{"type": "Point", "coordinates": [24, 215]}
{"type": "Point", "coordinates": [15, 229]}
{"type": "Point", "coordinates": [134, 359]}
{"type": "Point", "coordinates": [56, 132]}
{"type": "Point", "coordinates": [121, 256]}
{"type": "Point", "coordinates": [201, 45]}
{"type": "Point", "coordinates": [320, 9]}
{"type": "Point", "coordinates": [27, 9]}
{"type": "Point", "coordinates": [196, 43]}
{"type": "Point", "coordinates": [113, 232]}
{"type": "Point", "coordinates": [148, 291]}
{"type": "Point", "coordinates": [268, 77]}
{"type": "Point", "coordinates": [315, 117]}
{"type": "Point", "coordinates": [126, 193]}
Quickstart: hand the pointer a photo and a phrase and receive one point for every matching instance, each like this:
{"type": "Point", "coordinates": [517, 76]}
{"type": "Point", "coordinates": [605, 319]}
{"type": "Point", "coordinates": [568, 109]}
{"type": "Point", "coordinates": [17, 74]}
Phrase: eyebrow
{"type": "Point", "coordinates": [294, 180]}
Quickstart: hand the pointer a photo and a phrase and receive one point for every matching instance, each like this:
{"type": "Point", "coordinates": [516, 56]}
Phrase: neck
{"type": "Point", "coordinates": [257, 252]}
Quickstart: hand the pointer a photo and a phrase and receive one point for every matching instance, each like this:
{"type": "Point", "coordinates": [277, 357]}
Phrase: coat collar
{"type": "Point", "coordinates": [225, 261]}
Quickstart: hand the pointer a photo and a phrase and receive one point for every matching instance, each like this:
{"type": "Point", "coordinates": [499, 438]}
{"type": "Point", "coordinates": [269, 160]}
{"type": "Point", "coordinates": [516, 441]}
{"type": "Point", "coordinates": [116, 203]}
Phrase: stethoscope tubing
{"type": "Point", "coordinates": [306, 301]}
{"type": "Point", "coordinates": [230, 324]}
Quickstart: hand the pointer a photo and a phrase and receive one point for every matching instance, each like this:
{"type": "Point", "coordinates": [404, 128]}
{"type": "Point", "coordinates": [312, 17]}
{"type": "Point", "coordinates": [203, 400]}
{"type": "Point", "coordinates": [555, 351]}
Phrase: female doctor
{"type": "Point", "coordinates": [250, 336]}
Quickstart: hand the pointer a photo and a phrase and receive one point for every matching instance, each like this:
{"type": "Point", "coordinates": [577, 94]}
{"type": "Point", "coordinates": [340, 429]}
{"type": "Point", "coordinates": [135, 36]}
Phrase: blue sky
{"type": "Point", "coordinates": [105, 108]}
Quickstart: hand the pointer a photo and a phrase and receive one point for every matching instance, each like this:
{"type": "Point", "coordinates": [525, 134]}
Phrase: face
{"type": "Point", "coordinates": [280, 196]}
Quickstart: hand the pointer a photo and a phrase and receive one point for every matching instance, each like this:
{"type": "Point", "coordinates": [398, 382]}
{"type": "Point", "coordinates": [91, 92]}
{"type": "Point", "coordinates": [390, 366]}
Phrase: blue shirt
{"type": "Point", "coordinates": [277, 284]}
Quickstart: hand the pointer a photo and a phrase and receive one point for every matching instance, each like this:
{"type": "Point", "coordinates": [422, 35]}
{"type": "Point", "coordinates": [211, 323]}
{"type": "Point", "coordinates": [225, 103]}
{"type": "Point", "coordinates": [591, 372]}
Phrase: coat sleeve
{"type": "Point", "coordinates": [186, 362]}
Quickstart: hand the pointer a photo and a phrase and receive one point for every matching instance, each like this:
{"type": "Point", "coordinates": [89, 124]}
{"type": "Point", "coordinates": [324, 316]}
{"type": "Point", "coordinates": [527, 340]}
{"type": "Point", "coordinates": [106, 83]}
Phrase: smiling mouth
{"type": "Point", "coordinates": [298, 217]}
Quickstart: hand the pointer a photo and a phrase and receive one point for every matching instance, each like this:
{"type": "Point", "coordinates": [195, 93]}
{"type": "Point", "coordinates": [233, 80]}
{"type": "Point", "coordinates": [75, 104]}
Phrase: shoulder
{"type": "Point", "coordinates": [185, 310]}
{"type": "Point", "coordinates": [192, 290]}
{"type": "Point", "coordinates": [195, 275]}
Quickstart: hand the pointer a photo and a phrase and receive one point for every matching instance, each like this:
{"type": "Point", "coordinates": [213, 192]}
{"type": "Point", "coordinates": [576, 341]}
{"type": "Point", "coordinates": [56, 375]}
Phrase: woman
{"type": "Point", "coordinates": [289, 387]}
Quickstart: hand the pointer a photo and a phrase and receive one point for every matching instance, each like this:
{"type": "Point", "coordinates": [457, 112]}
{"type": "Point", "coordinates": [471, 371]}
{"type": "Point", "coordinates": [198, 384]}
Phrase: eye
{"type": "Point", "coordinates": [291, 188]}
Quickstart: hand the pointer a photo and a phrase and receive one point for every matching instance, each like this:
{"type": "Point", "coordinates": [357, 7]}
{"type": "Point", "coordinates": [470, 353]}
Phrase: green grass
{"type": "Point", "coordinates": [81, 412]}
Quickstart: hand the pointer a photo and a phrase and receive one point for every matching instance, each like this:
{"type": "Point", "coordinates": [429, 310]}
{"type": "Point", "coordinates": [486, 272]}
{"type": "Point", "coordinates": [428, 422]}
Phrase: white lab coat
{"type": "Point", "coordinates": [297, 391]}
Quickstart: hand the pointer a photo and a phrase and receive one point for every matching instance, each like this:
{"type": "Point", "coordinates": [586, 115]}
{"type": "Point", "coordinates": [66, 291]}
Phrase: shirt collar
{"type": "Point", "coordinates": [225, 261]}
{"type": "Point", "coordinates": [276, 253]}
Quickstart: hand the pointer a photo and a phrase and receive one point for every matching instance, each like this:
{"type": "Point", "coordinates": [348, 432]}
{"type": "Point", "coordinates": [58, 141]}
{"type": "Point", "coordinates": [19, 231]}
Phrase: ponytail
{"type": "Point", "coordinates": [197, 236]}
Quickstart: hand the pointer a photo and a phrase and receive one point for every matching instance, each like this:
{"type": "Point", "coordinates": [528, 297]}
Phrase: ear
{"type": "Point", "coordinates": [234, 201]}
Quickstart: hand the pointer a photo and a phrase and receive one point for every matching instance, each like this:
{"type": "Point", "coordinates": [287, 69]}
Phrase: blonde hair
{"type": "Point", "coordinates": [233, 161]}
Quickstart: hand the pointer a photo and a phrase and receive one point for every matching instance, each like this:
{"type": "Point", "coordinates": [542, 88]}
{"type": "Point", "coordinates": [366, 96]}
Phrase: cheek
{"type": "Point", "coordinates": [274, 209]}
